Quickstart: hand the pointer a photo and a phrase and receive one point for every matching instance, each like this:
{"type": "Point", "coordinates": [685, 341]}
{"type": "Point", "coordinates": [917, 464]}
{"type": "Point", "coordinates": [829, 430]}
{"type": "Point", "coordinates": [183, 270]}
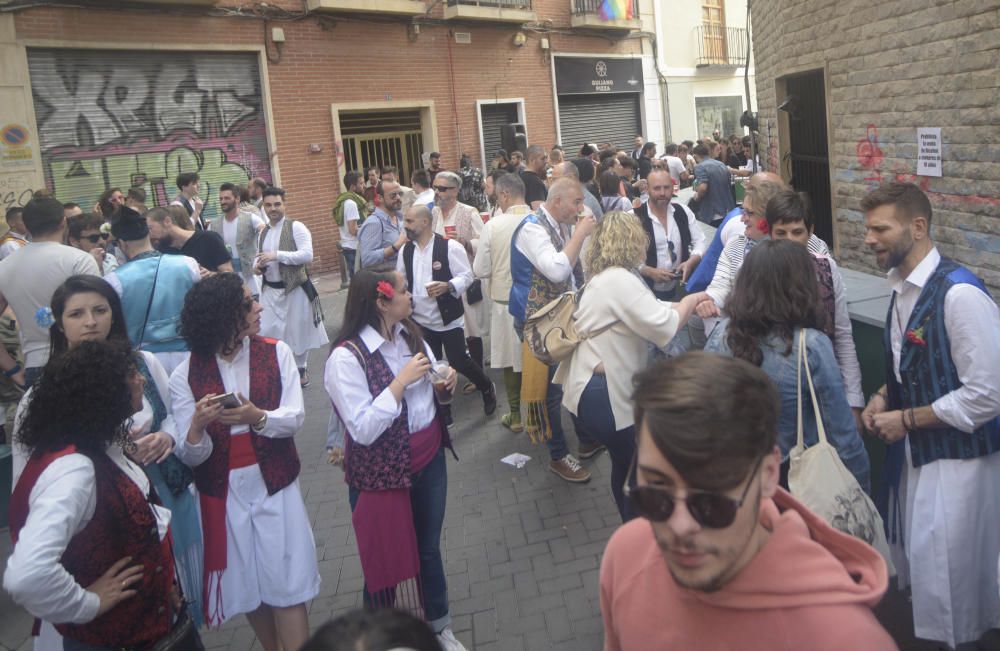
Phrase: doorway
{"type": "Point", "coordinates": [382, 138]}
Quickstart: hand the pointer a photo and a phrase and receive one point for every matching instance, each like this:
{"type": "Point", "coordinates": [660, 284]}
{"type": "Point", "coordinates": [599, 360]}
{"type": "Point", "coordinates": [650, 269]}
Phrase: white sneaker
{"type": "Point", "coordinates": [448, 641]}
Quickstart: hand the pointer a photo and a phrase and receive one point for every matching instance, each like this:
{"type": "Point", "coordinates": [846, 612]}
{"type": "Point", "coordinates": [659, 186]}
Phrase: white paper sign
{"type": "Point", "coordinates": [929, 151]}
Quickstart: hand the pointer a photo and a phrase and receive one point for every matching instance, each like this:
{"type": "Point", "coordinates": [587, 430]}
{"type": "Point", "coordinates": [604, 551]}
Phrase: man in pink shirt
{"type": "Point", "coordinates": [722, 558]}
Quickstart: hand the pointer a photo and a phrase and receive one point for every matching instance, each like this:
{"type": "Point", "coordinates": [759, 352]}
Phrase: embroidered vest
{"type": "Point", "coordinates": [277, 457]}
{"type": "Point", "coordinates": [176, 474]}
{"type": "Point", "coordinates": [292, 275]}
{"type": "Point", "coordinates": [451, 308]}
{"type": "Point", "coordinates": [246, 239]}
{"type": "Point", "coordinates": [173, 280]}
{"type": "Point", "coordinates": [531, 290]}
{"type": "Point", "coordinates": [824, 274]}
{"type": "Point", "coordinates": [683, 228]}
{"type": "Point", "coordinates": [123, 524]}
{"type": "Point", "coordinates": [928, 372]}
{"type": "Point", "coordinates": [385, 464]}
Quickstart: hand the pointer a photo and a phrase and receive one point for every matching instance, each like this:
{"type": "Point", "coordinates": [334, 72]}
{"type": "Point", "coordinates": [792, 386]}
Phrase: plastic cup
{"type": "Point", "coordinates": [440, 372]}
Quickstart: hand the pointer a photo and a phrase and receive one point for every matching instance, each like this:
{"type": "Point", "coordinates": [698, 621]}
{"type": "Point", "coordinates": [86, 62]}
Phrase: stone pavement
{"type": "Point", "coordinates": [521, 547]}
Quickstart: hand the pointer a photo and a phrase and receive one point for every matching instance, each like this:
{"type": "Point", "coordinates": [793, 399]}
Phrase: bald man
{"type": "Point", "coordinates": [727, 230]}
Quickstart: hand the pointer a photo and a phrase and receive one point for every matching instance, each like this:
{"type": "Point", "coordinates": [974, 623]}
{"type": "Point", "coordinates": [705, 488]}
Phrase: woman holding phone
{"type": "Point", "coordinates": [379, 377]}
{"type": "Point", "coordinates": [260, 556]}
{"type": "Point", "coordinates": [87, 308]}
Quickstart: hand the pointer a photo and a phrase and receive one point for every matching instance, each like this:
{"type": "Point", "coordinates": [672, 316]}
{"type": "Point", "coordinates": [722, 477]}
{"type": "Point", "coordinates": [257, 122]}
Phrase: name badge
{"type": "Point", "coordinates": [436, 266]}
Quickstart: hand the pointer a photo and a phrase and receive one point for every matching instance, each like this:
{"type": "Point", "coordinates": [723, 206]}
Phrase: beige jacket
{"type": "Point", "coordinates": [493, 258]}
{"type": "Point", "coordinates": [615, 294]}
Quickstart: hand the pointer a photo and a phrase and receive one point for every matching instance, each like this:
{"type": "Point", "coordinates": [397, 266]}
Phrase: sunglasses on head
{"type": "Point", "coordinates": [93, 238]}
{"type": "Point", "coordinates": [442, 188]}
{"type": "Point", "coordinates": [709, 509]}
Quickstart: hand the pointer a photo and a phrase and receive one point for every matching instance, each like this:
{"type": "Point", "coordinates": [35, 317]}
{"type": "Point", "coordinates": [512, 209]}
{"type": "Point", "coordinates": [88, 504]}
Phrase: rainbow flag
{"type": "Point", "coordinates": [616, 10]}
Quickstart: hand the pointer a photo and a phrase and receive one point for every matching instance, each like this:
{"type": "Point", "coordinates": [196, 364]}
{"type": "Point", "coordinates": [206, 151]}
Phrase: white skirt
{"type": "Point", "coordinates": [477, 317]}
{"type": "Point", "coordinates": [952, 543]}
{"type": "Point", "coordinates": [288, 317]}
{"type": "Point", "coordinates": [270, 550]}
{"type": "Point", "coordinates": [505, 347]}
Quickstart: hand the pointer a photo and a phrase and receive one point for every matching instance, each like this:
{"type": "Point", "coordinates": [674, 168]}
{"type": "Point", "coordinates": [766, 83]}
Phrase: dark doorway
{"type": "Point", "coordinates": [808, 152]}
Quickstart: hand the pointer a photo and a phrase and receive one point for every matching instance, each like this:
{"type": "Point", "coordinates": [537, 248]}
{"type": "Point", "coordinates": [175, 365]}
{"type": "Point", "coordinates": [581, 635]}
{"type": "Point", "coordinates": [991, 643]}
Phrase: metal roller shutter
{"type": "Point", "coordinates": [137, 119]}
{"type": "Point", "coordinates": [610, 118]}
{"type": "Point", "coordinates": [495, 116]}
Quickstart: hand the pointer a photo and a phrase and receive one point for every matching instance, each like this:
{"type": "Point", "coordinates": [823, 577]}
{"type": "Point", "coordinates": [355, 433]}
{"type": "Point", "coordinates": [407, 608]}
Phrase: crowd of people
{"type": "Point", "coordinates": [713, 369]}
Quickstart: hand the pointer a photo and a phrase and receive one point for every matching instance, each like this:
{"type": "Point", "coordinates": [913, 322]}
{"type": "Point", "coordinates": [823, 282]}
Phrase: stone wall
{"type": "Point", "coordinates": [891, 67]}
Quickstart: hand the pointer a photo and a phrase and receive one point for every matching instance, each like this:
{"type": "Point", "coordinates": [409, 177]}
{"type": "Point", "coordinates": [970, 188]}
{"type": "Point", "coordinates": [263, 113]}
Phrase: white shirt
{"type": "Point", "coordinates": [62, 503]}
{"type": "Point", "coordinates": [28, 277]}
{"type": "Point", "coordinates": [664, 237]}
{"type": "Point", "coordinates": [843, 339]}
{"type": "Point", "coordinates": [425, 198]}
{"type": "Point", "coordinates": [13, 245]}
{"type": "Point", "coordinates": [282, 422]}
{"type": "Point", "coordinates": [351, 214]}
{"type": "Point", "coordinates": [973, 324]}
{"type": "Point", "coordinates": [229, 227]}
{"type": "Point", "coordinates": [303, 244]}
{"type": "Point", "coordinates": [533, 241]}
{"type": "Point", "coordinates": [676, 167]}
{"type": "Point", "coordinates": [425, 309]}
{"type": "Point", "coordinates": [733, 228]}
{"type": "Point", "coordinates": [367, 417]}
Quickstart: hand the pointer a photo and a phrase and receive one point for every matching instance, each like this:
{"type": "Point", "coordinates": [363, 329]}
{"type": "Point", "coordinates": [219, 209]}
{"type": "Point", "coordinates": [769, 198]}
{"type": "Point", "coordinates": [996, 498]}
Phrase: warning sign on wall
{"type": "Point", "coordinates": [15, 145]}
{"type": "Point", "coordinates": [929, 151]}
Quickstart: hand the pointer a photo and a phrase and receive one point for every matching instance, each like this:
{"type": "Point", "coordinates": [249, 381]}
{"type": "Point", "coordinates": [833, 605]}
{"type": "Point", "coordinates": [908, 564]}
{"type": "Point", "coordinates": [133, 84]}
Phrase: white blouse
{"type": "Point", "coordinates": [366, 416]}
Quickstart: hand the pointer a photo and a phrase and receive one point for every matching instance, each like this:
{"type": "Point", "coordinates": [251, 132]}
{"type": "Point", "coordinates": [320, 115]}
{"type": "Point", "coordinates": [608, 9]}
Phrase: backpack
{"type": "Point", "coordinates": [551, 332]}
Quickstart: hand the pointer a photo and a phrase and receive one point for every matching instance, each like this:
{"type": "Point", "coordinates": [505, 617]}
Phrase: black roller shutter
{"type": "Point", "coordinates": [594, 119]}
{"type": "Point", "coordinates": [494, 117]}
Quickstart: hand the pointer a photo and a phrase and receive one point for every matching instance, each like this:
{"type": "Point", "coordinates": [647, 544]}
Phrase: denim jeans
{"type": "Point", "coordinates": [349, 256]}
{"type": "Point", "coordinates": [553, 406]}
{"type": "Point", "coordinates": [595, 419]}
{"type": "Point", "coordinates": [428, 494]}
{"type": "Point", "coordinates": [31, 375]}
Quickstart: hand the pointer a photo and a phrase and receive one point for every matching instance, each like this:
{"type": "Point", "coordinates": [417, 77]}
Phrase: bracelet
{"type": "Point", "coordinates": [902, 420]}
{"type": "Point", "coordinates": [14, 371]}
{"type": "Point", "coordinates": [913, 419]}
{"type": "Point", "coordinates": [259, 425]}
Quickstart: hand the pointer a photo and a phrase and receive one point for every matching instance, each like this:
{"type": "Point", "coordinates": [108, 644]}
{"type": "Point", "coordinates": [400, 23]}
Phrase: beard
{"type": "Point", "coordinates": [896, 254]}
{"type": "Point", "coordinates": [411, 234]}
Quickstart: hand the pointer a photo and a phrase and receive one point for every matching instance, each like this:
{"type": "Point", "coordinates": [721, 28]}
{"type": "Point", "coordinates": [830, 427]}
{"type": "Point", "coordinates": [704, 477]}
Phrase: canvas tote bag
{"type": "Point", "coordinates": [819, 479]}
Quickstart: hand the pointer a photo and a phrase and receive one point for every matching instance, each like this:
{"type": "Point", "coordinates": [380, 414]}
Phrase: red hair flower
{"type": "Point", "coordinates": [762, 226]}
{"type": "Point", "coordinates": [385, 289]}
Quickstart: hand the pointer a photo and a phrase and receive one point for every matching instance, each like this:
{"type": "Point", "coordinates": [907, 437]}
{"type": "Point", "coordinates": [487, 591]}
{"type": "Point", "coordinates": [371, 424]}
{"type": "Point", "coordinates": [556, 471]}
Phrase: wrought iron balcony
{"type": "Point", "coordinates": [587, 14]}
{"type": "Point", "coordinates": [494, 11]}
{"type": "Point", "coordinates": [720, 46]}
{"type": "Point", "coordinates": [395, 7]}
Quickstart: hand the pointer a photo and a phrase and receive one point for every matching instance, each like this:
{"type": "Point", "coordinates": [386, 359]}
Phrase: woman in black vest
{"type": "Point", "coordinates": [381, 378]}
{"type": "Point", "coordinates": [91, 542]}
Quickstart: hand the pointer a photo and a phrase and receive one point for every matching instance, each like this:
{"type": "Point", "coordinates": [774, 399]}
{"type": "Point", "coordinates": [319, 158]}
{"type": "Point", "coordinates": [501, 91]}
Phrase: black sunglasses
{"type": "Point", "coordinates": [93, 238]}
{"type": "Point", "coordinates": [438, 188]}
{"type": "Point", "coordinates": [709, 509]}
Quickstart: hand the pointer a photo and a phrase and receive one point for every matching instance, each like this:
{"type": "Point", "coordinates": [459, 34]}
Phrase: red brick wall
{"type": "Point", "coordinates": [350, 62]}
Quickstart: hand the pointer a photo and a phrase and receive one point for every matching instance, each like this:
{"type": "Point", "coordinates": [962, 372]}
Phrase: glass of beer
{"type": "Point", "coordinates": [440, 372]}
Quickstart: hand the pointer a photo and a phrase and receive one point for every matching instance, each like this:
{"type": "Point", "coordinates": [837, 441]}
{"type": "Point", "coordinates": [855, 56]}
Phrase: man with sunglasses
{"type": "Point", "coordinates": [84, 233]}
{"type": "Point", "coordinates": [381, 236]}
{"type": "Point", "coordinates": [676, 243]}
{"type": "Point", "coordinates": [722, 557]}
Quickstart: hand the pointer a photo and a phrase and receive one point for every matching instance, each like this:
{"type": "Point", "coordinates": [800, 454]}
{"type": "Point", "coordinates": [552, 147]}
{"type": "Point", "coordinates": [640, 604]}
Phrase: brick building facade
{"type": "Point", "coordinates": [866, 76]}
{"type": "Point", "coordinates": [216, 93]}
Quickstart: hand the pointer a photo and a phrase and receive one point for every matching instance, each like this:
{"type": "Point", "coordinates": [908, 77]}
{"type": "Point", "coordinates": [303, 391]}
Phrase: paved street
{"type": "Point", "coordinates": [521, 547]}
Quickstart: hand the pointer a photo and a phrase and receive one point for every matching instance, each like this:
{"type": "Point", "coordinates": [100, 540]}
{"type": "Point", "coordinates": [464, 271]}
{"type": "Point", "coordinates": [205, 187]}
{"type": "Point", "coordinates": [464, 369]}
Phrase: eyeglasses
{"type": "Point", "coordinates": [709, 509]}
{"type": "Point", "coordinates": [393, 194]}
{"type": "Point", "coordinates": [93, 238]}
{"type": "Point", "coordinates": [442, 188]}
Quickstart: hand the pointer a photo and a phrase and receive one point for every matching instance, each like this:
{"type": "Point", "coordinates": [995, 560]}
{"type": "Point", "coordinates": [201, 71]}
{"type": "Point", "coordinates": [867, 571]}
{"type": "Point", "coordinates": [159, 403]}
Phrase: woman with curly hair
{"type": "Point", "coordinates": [776, 295]}
{"type": "Point", "coordinates": [237, 404]}
{"type": "Point", "coordinates": [91, 542]}
{"type": "Point", "coordinates": [380, 379]}
{"type": "Point", "coordinates": [621, 316]}
{"type": "Point", "coordinates": [86, 308]}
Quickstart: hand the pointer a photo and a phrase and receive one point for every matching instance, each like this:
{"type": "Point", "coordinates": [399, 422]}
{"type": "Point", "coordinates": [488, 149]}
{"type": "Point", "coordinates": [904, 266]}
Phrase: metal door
{"type": "Point", "coordinates": [610, 118]}
{"type": "Point", "coordinates": [382, 138]}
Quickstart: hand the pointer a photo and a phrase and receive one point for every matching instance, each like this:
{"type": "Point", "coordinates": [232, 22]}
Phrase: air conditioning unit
{"type": "Point", "coordinates": [463, 38]}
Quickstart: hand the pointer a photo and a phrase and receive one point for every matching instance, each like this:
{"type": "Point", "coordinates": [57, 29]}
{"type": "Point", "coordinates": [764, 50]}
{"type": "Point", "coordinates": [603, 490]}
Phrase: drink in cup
{"type": "Point", "coordinates": [440, 372]}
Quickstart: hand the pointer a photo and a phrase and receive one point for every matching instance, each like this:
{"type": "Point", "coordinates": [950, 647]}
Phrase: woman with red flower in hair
{"type": "Point", "coordinates": [381, 378]}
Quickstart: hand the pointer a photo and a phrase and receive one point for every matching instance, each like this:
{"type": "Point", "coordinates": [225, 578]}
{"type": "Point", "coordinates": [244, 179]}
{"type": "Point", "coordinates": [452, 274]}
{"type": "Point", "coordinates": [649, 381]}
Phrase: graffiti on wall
{"type": "Point", "coordinates": [139, 119]}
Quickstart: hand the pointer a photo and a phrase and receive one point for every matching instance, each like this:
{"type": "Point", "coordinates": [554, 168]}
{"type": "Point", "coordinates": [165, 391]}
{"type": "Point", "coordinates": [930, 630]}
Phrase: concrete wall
{"type": "Point", "coordinates": [890, 68]}
{"type": "Point", "coordinates": [335, 60]}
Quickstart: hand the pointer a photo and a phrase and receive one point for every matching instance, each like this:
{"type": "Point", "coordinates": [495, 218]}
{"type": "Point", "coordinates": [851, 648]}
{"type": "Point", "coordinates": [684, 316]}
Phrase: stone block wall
{"type": "Point", "coordinates": [891, 67]}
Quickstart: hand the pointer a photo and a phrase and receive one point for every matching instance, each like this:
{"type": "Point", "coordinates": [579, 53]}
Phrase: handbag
{"type": "Point", "coordinates": [818, 478]}
{"type": "Point", "coordinates": [551, 332]}
{"type": "Point", "coordinates": [474, 293]}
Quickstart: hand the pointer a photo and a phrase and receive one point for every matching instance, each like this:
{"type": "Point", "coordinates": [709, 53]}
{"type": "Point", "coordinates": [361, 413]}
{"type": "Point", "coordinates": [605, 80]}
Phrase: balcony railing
{"type": "Point", "coordinates": [584, 7]}
{"type": "Point", "coordinates": [524, 5]}
{"type": "Point", "coordinates": [721, 46]}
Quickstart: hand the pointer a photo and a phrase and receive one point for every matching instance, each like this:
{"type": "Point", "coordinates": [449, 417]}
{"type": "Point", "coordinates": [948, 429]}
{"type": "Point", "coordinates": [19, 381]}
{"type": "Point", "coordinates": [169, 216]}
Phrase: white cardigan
{"type": "Point", "coordinates": [616, 294]}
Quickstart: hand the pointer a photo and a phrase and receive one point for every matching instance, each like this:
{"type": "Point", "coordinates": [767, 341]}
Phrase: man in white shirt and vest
{"type": "Point", "coordinates": [292, 311]}
{"type": "Point", "coordinates": [188, 184]}
{"type": "Point", "coordinates": [437, 271]}
{"type": "Point", "coordinates": [239, 229]}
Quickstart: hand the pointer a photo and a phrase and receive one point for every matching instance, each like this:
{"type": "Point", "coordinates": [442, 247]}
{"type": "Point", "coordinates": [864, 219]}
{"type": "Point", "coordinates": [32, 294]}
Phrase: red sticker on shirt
{"type": "Point", "coordinates": [436, 266]}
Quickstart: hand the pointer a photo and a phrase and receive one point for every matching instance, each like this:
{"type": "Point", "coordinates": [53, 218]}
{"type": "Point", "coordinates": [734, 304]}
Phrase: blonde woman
{"type": "Point", "coordinates": [597, 379]}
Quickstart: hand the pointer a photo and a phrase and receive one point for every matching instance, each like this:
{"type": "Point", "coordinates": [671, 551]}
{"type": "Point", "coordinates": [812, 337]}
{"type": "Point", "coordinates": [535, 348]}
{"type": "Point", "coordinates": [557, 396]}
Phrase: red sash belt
{"type": "Point", "coordinates": [241, 452]}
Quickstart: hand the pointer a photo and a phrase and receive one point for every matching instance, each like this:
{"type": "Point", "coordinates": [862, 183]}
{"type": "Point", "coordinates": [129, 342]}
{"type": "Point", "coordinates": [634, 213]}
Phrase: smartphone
{"type": "Point", "coordinates": [228, 400]}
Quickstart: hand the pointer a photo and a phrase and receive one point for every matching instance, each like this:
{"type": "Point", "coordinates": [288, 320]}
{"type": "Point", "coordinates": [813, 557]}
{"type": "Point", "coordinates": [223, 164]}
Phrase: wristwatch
{"type": "Point", "coordinates": [260, 424]}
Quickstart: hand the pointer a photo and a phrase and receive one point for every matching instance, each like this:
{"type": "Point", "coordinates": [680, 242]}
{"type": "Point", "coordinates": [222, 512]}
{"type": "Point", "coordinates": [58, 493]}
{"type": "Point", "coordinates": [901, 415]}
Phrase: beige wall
{"type": "Point", "coordinates": [20, 164]}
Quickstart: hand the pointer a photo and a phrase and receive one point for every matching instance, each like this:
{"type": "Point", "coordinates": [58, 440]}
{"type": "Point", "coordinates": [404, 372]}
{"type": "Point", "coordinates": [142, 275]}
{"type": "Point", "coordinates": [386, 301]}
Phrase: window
{"type": "Point", "coordinates": [718, 113]}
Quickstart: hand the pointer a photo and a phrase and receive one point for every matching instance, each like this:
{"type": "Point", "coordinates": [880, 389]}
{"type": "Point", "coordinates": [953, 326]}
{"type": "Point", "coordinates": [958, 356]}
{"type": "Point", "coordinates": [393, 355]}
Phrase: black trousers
{"type": "Point", "coordinates": [453, 342]}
